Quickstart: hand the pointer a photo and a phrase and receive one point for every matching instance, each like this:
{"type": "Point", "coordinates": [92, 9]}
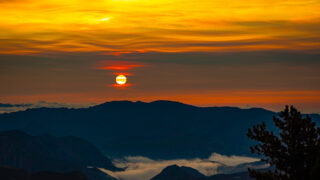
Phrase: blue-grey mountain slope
{"type": "Point", "coordinates": [160, 129]}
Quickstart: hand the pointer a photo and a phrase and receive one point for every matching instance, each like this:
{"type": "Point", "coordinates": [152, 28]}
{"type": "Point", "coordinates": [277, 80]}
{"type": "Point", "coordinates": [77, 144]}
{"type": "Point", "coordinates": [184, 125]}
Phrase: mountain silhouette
{"type": "Point", "coordinates": [45, 152]}
{"type": "Point", "coordinates": [175, 172]}
{"type": "Point", "coordinates": [160, 129]}
{"type": "Point", "coordinates": [55, 154]}
{"type": "Point", "coordinates": [19, 174]}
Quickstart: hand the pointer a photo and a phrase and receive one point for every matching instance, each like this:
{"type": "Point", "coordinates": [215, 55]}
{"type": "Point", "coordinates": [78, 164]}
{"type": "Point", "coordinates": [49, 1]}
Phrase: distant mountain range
{"type": "Point", "coordinates": [175, 172]}
{"type": "Point", "coordinates": [8, 108]}
{"type": "Point", "coordinates": [14, 105]}
{"type": "Point", "coordinates": [159, 130]}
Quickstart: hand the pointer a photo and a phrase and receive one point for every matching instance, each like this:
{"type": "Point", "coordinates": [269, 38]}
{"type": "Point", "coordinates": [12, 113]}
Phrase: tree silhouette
{"type": "Point", "coordinates": [293, 152]}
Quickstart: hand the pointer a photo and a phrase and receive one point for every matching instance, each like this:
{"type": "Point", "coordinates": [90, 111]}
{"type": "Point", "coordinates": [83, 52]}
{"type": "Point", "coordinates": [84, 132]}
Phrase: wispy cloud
{"type": "Point", "coordinates": [108, 26]}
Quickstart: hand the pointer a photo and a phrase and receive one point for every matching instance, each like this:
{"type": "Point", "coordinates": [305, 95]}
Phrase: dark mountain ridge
{"type": "Point", "coordinates": [160, 129]}
{"type": "Point", "coordinates": [19, 174]}
{"type": "Point", "coordinates": [45, 152]}
{"type": "Point", "coordinates": [175, 172]}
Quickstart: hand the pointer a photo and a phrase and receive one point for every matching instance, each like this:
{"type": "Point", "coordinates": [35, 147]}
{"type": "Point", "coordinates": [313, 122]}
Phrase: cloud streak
{"type": "Point", "coordinates": [119, 65]}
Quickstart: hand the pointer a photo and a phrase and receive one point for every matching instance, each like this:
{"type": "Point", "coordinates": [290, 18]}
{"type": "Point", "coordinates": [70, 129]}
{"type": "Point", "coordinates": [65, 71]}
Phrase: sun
{"type": "Point", "coordinates": [121, 79]}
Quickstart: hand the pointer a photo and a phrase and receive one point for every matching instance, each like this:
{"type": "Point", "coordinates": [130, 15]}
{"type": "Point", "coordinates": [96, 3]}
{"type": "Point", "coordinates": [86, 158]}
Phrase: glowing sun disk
{"type": "Point", "coordinates": [121, 79]}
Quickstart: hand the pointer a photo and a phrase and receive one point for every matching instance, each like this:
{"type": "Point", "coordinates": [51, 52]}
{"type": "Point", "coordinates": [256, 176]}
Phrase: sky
{"type": "Point", "coordinates": [253, 53]}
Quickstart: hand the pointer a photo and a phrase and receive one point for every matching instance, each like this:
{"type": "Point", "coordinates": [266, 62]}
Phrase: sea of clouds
{"type": "Point", "coordinates": [143, 168]}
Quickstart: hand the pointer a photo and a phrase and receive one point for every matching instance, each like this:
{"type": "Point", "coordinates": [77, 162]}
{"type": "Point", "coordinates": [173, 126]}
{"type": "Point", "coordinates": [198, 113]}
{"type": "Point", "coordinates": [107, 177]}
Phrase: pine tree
{"type": "Point", "coordinates": [293, 152]}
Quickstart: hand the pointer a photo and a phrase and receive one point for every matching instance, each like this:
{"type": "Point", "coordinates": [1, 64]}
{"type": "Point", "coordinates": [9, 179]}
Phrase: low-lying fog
{"type": "Point", "coordinates": [143, 168]}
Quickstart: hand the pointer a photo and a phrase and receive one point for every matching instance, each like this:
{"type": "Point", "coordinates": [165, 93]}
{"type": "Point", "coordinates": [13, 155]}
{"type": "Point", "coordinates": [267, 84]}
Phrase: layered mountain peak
{"type": "Point", "coordinates": [175, 172]}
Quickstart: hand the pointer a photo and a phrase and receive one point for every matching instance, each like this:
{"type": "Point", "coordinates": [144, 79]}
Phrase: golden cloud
{"type": "Point", "coordinates": [30, 26]}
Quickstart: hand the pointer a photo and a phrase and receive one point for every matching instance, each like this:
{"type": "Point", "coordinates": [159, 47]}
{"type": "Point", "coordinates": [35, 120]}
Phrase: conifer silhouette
{"type": "Point", "coordinates": [293, 152]}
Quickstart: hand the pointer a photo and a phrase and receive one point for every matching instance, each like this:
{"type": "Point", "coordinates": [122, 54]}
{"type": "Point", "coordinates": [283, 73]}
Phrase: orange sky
{"type": "Point", "coordinates": [32, 26]}
{"type": "Point", "coordinates": [240, 53]}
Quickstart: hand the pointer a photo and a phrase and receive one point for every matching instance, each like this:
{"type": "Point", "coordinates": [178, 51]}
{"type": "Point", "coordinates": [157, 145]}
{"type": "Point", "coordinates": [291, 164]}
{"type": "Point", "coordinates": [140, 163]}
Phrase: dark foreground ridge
{"type": "Point", "coordinates": [58, 155]}
{"type": "Point", "coordinates": [159, 130]}
{"type": "Point", "coordinates": [175, 172]}
{"type": "Point", "coordinates": [45, 152]}
{"type": "Point", "coordinates": [18, 174]}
